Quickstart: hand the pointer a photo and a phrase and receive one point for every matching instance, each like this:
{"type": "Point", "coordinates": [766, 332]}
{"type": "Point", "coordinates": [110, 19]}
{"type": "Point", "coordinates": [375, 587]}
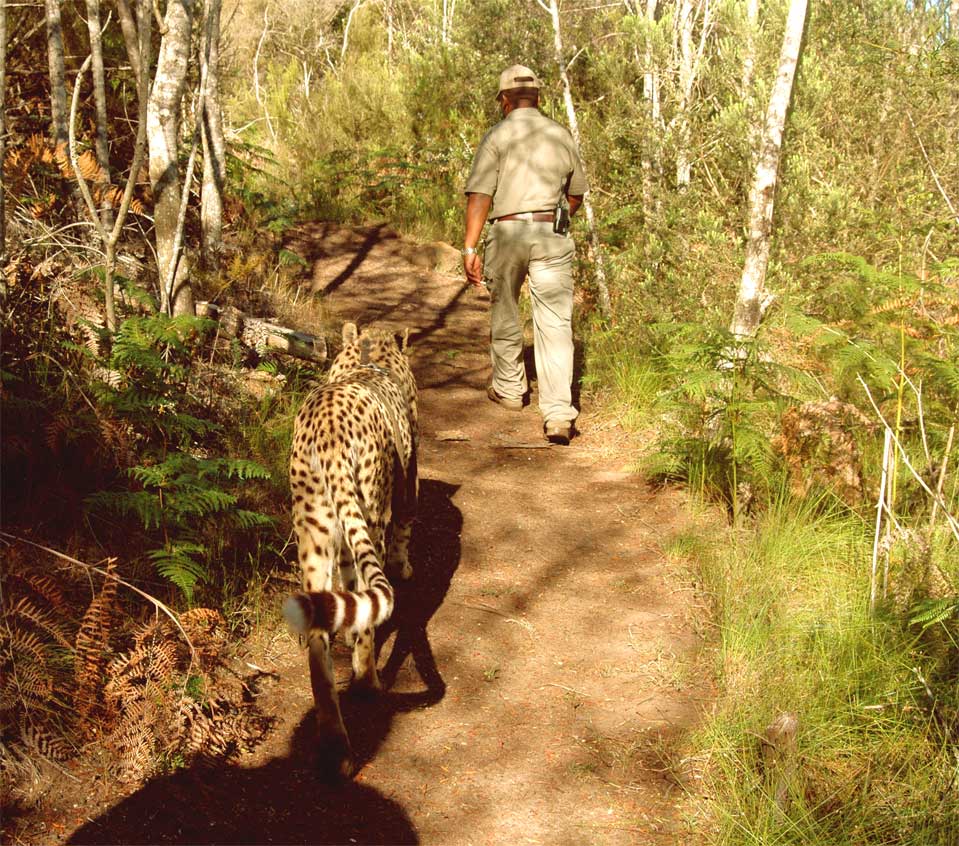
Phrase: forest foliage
{"type": "Point", "coordinates": [369, 111]}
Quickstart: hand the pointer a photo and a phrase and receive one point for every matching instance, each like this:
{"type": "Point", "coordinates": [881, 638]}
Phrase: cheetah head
{"type": "Point", "coordinates": [373, 346]}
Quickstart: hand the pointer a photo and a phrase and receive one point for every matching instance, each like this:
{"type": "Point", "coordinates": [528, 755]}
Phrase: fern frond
{"type": "Point", "coordinates": [145, 505]}
{"type": "Point", "coordinates": [43, 619]}
{"type": "Point", "coordinates": [176, 563]}
{"type": "Point", "coordinates": [931, 612]}
{"type": "Point", "coordinates": [250, 519]}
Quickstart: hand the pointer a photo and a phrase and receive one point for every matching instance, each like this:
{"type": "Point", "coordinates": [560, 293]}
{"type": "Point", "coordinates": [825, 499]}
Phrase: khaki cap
{"type": "Point", "coordinates": [517, 76]}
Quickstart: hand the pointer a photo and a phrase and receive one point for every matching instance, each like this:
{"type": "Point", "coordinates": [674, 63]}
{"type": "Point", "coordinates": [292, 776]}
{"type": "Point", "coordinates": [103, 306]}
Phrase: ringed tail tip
{"type": "Point", "coordinates": [297, 610]}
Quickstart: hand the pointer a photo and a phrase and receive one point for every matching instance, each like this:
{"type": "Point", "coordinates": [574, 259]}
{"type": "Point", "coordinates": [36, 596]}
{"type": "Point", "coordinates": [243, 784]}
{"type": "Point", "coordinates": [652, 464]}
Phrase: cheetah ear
{"type": "Point", "coordinates": [350, 334]}
{"type": "Point", "coordinates": [403, 339]}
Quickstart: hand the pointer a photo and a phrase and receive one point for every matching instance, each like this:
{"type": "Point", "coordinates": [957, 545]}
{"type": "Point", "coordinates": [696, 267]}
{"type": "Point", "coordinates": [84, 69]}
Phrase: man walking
{"type": "Point", "coordinates": [528, 179]}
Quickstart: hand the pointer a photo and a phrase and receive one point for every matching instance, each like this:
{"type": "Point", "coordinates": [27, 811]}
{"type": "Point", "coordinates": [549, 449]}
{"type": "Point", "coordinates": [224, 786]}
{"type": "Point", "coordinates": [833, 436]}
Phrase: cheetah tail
{"type": "Point", "coordinates": [332, 611]}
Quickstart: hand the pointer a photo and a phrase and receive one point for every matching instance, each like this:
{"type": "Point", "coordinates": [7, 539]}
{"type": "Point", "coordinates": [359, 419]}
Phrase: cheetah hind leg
{"type": "Point", "coordinates": [348, 582]}
{"type": "Point", "coordinates": [399, 557]}
{"type": "Point", "coordinates": [334, 754]}
{"type": "Point", "coordinates": [366, 679]}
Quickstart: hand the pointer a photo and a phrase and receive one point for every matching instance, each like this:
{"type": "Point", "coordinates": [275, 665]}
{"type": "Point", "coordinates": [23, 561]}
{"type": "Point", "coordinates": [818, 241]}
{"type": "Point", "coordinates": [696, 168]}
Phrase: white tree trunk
{"type": "Point", "coordinates": [690, 58]}
{"type": "Point", "coordinates": [102, 144]}
{"type": "Point", "coordinates": [58, 86]}
{"type": "Point", "coordinates": [163, 123]}
{"type": "Point", "coordinates": [599, 276]}
{"type": "Point", "coordinates": [753, 300]}
{"type": "Point", "coordinates": [129, 36]}
{"type": "Point", "coordinates": [651, 165]}
{"type": "Point", "coordinates": [214, 146]}
{"type": "Point", "coordinates": [684, 39]}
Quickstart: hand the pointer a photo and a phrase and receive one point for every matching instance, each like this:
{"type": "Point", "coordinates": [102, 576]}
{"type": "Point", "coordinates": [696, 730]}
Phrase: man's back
{"type": "Point", "coordinates": [525, 163]}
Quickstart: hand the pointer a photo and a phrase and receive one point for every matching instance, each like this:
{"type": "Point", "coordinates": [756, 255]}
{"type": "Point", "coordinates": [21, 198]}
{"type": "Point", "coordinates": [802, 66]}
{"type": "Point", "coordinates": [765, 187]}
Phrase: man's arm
{"type": "Point", "coordinates": [477, 208]}
{"type": "Point", "coordinates": [575, 201]}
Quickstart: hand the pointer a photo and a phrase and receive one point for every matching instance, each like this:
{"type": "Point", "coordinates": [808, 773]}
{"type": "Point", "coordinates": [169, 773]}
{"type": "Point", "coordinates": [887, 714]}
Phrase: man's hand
{"type": "Point", "coordinates": [477, 207]}
{"type": "Point", "coordinates": [473, 265]}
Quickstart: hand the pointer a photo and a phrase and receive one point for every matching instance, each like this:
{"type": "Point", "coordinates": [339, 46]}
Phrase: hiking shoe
{"type": "Point", "coordinates": [559, 432]}
{"type": "Point", "coordinates": [511, 404]}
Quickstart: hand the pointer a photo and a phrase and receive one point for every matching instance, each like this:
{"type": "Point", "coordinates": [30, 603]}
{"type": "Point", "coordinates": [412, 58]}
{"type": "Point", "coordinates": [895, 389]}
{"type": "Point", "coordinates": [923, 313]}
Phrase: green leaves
{"type": "Point", "coordinates": [931, 612]}
{"type": "Point", "coordinates": [176, 562]}
{"type": "Point", "coordinates": [178, 496]}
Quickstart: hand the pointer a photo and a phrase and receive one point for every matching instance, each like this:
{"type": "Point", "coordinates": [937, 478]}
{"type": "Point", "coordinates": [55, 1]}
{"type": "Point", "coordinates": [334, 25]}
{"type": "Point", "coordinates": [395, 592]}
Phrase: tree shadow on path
{"type": "Point", "coordinates": [285, 800]}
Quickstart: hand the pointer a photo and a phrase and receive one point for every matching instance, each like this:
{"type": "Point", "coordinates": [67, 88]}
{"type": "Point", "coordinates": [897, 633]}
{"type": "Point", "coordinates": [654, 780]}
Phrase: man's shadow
{"type": "Point", "coordinates": [286, 800]}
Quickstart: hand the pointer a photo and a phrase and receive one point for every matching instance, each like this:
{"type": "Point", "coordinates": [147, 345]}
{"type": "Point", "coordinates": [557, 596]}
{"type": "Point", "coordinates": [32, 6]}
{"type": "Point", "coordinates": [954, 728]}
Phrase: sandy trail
{"type": "Point", "coordinates": [542, 661]}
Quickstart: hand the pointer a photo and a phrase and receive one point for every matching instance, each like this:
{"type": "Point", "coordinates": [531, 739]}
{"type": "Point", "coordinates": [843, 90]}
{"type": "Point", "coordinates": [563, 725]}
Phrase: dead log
{"type": "Point", "coordinates": [262, 335]}
{"type": "Point", "coordinates": [780, 758]}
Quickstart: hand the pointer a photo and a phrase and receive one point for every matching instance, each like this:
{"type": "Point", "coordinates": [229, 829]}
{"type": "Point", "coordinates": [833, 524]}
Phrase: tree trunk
{"type": "Point", "coordinates": [749, 49]}
{"type": "Point", "coordinates": [651, 164]}
{"type": "Point", "coordinates": [684, 38]}
{"type": "Point", "coordinates": [129, 37]}
{"type": "Point", "coordinates": [214, 147]}
{"type": "Point", "coordinates": [163, 123]}
{"type": "Point", "coordinates": [690, 59]}
{"type": "Point", "coordinates": [102, 145]}
{"type": "Point", "coordinates": [58, 85]}
{"type": "Point", "coordinates": [753, 300]}
{"type": "Point", "coordinates": [3, 128]}
{"type": "Point", "coordinates": [599, 277]}
{"type": "Point", "coordinates": [954, 19]}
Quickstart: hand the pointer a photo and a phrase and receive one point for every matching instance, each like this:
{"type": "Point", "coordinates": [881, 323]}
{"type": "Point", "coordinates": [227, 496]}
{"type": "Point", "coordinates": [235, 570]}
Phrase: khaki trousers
{"type": "Point", "coordinates": [515, 249]}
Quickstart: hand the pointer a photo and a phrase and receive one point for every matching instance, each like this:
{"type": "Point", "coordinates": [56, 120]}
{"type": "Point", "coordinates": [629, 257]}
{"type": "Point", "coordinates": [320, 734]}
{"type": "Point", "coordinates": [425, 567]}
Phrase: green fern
{"type": "Point", "coordinates": [931, 612]}
{"type": "Point", "coordinates": [178, 562]}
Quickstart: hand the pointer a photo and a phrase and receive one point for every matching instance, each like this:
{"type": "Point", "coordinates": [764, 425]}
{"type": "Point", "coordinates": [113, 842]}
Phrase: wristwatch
{"type": "Point", "coordinates": [468, 251]}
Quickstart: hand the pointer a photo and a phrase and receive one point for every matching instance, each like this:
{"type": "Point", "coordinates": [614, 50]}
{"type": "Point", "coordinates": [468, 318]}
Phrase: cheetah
{"type": "Point", "coordinates": [353, 477]}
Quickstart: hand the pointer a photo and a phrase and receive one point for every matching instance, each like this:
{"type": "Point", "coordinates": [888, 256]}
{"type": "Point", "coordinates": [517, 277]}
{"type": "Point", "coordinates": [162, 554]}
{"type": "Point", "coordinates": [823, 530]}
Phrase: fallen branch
{"type": "Point", "coordinates": [261, 334]}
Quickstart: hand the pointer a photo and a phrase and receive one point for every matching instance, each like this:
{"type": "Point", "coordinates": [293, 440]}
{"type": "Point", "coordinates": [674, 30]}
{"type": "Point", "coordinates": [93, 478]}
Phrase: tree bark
{"type": "Point", "coordinates": [58, 85]}
{"type": "Point", "coordinates": [651, 164]}
{"type": "Point", "coordinates": [163, 123]}
{"type": "Point", "coordinates": [214, 146]}
{"type": "Point", "coordinates": [690, 60]}
{"type": "Point", "coordinates": [130, 37]}
{"type": "Point", "coordinates": [599, 274]}
{"type": "Point", "coordinates": [684, 38]}
{"type": "Point", "coordinates": [102, 145]}
{"type": "Point", "coordinates": [753, 299]}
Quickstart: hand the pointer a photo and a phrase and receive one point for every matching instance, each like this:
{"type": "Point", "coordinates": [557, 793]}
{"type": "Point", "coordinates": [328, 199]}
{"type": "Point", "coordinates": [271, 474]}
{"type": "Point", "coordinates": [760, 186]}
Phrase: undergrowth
{"type": "Point", "coordinates": [851, 629]}
{"type": "Point", "coordinates": [144, 478]}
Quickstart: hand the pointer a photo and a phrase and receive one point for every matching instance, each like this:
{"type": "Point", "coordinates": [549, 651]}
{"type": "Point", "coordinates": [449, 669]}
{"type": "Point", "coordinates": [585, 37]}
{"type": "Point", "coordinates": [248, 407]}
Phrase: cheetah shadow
{"type": "Point", "coordinates": [410, 676]}
{"type": "Point", "coordinates": [286, 800]}
{"type": "Point", "coordinates": [279, 802]}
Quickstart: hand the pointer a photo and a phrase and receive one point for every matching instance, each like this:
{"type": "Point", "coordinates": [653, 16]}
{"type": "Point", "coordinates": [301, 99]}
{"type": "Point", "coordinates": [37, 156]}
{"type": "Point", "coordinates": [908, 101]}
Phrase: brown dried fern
{"type": "Point", "coordinates": [92, 645]}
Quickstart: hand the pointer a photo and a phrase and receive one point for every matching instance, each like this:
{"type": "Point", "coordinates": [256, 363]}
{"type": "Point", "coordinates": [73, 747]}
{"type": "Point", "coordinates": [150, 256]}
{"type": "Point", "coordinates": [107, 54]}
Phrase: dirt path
{"type": "Point", "coordinates": [541, 661]}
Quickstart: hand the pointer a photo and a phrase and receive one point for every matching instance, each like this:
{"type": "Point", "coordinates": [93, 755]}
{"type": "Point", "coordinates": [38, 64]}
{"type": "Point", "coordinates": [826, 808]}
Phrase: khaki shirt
{"type": "Point", "coordinates": [524, 163]}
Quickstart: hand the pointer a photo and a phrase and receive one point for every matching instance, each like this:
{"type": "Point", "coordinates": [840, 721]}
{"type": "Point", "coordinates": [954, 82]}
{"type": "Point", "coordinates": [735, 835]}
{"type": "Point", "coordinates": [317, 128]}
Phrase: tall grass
{"type": "Point", "coordinates": [876, 764]}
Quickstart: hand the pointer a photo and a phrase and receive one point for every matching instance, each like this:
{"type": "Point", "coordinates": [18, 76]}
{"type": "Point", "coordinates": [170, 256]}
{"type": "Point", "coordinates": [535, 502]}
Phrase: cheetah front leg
{"type": "Point", "coordinates": [333, 743]}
